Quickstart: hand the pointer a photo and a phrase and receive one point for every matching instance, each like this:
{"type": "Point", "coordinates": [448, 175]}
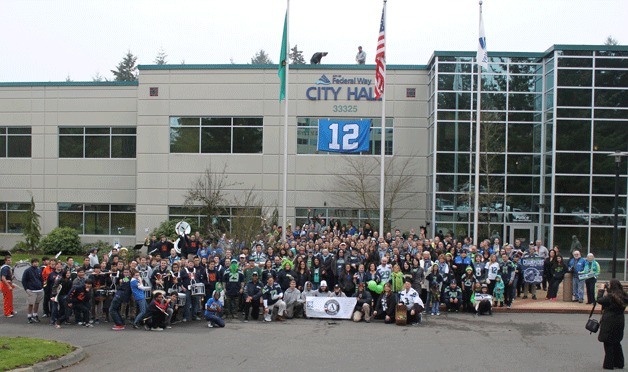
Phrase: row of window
{"type": "Point", "coordinates": [98, 219]}
{"type": "Point", "coordinates": [15, 142]}
{"type": "Point", "coordinates": [216, 135]}
{"type": "Point", "coordinates": [97, 142]}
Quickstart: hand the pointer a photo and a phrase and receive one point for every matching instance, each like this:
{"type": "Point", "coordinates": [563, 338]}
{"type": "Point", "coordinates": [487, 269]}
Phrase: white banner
{"type": "Point", "coordinates": [330, 307]}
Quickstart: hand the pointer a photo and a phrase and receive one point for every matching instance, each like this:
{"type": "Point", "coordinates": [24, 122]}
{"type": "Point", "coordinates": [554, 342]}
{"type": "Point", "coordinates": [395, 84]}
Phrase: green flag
{"type": "Point", "coordinates": [283, 59]}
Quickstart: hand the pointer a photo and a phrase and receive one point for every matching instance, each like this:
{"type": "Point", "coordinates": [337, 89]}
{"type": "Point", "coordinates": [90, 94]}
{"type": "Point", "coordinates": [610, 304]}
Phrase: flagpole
{"type": "Point", "coordinates": [382, 151]}
{"type": "Point", "coordinates": [285, 131]}
{"type": "Point", "coordinates": [476, 191]}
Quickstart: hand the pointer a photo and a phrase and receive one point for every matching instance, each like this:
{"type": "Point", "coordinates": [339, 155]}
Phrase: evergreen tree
{"type": "Point", "coordinates": [261, 58]}
{"type": "Point", "coordinates": [611, 41]}
{"type": "Point", "coordinates": [296, 56]}
{"type": "Point", "coordinates": [126, 69]}
{"type": "Point", "coordinates": [161, 57]}
{"type": "Point", "coordinates": [97, 77]}
{"type": "Point", "coordinates": [32, 228]}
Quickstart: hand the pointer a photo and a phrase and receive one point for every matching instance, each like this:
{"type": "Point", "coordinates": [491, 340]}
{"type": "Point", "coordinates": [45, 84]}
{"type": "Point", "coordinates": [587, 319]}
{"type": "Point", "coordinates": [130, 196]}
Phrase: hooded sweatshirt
{"type": "Point", "coordinates": [306, 293]}
{"type": "Point", "coordinates": [291, 296]}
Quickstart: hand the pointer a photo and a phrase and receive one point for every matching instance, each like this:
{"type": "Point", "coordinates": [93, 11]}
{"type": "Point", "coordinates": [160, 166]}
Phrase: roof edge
{"type": "Point", "coordinates": [70, 84]}
{"type": "Point", "coordinates": [275, 67]}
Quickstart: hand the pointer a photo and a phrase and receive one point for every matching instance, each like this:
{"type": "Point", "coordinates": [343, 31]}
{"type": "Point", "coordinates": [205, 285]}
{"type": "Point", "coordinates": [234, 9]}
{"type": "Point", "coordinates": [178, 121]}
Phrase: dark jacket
{"type": "Point", "coordinates": [124, 290]}
{"type": "Point", "coordinates": [254, 290]}
{"type": "Point", "coordinates": [364, 297]}
{"type": "Point", "coordinates": [284, 277]}
{"type": "Point", "coordinates": [31, 279]}
{"type": "Point", "coordinates": [389, 304]}
{"type": "Point", "coordinates": [612, 321]}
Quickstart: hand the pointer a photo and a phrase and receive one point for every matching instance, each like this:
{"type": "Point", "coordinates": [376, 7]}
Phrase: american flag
{"type": "Point", "coordinates": [380, 58]}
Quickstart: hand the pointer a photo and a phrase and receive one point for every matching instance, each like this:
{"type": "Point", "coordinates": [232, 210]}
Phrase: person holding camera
{"type": "Point", "coordinates": [612, 323]}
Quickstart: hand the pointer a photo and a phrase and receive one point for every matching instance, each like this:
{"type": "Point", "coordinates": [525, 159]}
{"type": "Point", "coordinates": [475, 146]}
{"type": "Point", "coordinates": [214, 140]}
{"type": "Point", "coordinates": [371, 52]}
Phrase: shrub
{"type": "Point", "coordinates": [63, 239]}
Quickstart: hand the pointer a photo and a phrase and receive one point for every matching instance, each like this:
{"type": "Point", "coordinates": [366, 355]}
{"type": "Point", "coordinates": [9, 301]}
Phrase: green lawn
{"type": "Point", "coordinates": [27, 257]}
{"type": "Point", "coordinates": [22, 351]}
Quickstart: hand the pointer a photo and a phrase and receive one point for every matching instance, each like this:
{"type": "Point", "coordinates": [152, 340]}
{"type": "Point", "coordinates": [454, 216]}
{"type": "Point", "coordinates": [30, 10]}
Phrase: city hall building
{"type": "Point", "coordinates": [114, 159]}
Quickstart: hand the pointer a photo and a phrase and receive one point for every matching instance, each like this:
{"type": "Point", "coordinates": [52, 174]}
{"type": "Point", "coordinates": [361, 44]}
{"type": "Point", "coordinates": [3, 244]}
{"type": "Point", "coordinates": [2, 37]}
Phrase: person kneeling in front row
{"type": "Point", "coordinates": [213, 311]}
{"type": "Point", "coordinates": [273, 297]}
{"type": "Point", "coordinates": [410, 297]}
{"type": "Point", "coordinates": [386, 306]}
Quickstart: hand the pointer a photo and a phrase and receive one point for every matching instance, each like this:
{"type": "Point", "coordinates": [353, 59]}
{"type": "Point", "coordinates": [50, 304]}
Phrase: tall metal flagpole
{"type": "Point", "coordinates": [476, 191]}
{"type": "Point", "coordinates": [285, 130]}
{"type": "Point", "coordinates": [382, 150]}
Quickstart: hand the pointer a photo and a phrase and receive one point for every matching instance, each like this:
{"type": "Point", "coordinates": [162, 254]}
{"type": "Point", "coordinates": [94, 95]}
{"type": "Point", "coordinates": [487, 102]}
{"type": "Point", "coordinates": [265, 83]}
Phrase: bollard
{"type": "Point", "coordinates": [567, 288]}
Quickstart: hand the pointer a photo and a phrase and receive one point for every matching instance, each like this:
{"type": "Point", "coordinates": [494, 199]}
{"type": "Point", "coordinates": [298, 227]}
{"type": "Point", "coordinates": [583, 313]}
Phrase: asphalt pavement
{"type": "Point", "coordinates": [454, 342]}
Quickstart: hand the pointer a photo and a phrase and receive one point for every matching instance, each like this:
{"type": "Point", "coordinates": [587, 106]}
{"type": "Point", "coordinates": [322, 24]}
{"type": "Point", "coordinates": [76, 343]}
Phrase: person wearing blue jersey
{"type": "Point", "coordinates": [213, 311]}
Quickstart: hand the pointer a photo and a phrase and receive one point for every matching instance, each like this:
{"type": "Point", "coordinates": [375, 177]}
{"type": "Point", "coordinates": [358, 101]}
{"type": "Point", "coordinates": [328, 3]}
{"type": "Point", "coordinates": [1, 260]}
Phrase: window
{"type": "Point", "coordinates": [15, 142]}
{"type": "Point", "coordinates": [324, 216]}
{"type": "Point", "coordinates": [98, 219]}
{"type": "Point", "coordinates": [12, 217]}
{"type": "Point", "coordinates": [221, 222]}
{"type": "Point", "coordinates": [216, 135]}
{"type": "Point", "coordinates": [97, 142]}
{"type": "Point", "coordinates": [307, 136]}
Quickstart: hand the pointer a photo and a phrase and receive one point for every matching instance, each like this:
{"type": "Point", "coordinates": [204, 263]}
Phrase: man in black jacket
{"type": "Point", "coordinates": [123, 295]}
{"type": "Point", "coordinates": [363, 305]}
{"type": "Point", "coordinates": [253, 294]}
{"type": "Point", "coordinates": [34, 286]}
{"type": "Point", "coordinates": [79, 300]}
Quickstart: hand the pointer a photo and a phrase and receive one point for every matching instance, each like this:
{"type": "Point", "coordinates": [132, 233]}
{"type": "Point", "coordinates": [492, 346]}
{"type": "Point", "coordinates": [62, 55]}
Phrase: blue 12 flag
{"type": "Point", "coordinates": [347, 136]}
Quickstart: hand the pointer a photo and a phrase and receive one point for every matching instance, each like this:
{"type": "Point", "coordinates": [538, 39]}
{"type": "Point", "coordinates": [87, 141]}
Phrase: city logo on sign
{"type": "Point", "coordinates": [350, 89]}
{"type": "Point", "coordinates": [323, 80]}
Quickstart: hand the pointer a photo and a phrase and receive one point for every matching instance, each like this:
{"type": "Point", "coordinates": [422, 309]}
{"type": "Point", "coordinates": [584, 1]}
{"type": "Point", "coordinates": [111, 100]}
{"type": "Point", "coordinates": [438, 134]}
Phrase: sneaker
{"type": "Point", "coordinates": [158, 329]}
{"type": "Point", "coordinates": [97, 322]}
{"type": "Point", "coordinates": [44, 316]}
{"type": "Point", "coordinates": [87, 325]}
{"type": "Point", "coordinates": [30, 320]}
{"type": "Point", "coordinates": [267, 318]}
{"type": "Point", "coordinates": [197, 318]}
{"type": "Point", "coordinates": [146, 327]}
{"type": "Point", "coordinates": [581, 301]}
{"type": "Point", "coordinates": [245, 320]}
{"type": "Point", "coordinates": [534, 297]}
{"type": "Point", "coordinates": [80, 323]}
{"type": "Point", "coordinates": [91, 322]}
{"type": "Point", "coordinates": [57, 326]}
{"type": "Point", "coordinates": [136, 326]}
{"type": "Point", "coordinates": [438, 313]}
{"type": "Point", "coordinates": [210, 325]}
{"type": "Point", "coordinates": [36, 319]}
{"type": "Point", "coordinates": [185, 320]}
{"type": "Point", "coordinates": [118, 328]}
{"type": "Point", "coordinates": [168, 327]}
{"type": "Point", "coordinates": [9, 316]}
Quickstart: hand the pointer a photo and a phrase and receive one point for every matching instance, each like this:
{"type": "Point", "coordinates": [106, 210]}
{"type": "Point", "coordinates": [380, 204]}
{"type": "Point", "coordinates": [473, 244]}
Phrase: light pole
{"type": "Point", "coordinates": [617, 155]}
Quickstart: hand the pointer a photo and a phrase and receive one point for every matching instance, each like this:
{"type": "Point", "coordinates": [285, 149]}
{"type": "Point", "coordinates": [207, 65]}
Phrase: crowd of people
{"type": "Point", "coordinates": [272, 278]}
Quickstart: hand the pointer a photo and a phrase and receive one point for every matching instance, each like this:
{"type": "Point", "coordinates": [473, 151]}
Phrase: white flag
{"type": "Point", "coordinates": [482, 56]}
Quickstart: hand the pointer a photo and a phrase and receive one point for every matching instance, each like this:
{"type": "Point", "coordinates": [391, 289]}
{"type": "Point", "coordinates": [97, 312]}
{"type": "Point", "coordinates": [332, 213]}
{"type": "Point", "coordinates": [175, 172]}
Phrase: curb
{"type": "Point", "coordinates": [52, 365]}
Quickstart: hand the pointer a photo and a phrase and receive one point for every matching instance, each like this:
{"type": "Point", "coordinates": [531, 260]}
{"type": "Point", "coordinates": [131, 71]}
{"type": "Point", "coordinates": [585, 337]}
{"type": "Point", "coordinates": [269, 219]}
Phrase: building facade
{"type": "Point", "coordinates": [114, 160]}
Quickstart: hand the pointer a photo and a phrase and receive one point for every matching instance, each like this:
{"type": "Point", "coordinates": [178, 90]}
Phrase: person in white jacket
{"type": "Point", "coordinates": [410, 297]}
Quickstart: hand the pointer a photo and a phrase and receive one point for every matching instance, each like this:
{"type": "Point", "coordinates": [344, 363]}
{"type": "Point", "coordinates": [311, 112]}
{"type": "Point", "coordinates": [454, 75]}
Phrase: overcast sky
{"type": "Point", "coordinates": [46, 40]}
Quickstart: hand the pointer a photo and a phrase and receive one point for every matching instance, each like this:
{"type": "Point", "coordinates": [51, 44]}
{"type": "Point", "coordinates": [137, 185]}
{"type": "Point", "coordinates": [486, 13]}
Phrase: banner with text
{"type": "Point", "coordinates": [330, 307]}
{"type": "Point", "coordinates": [348, 136]}
{"type": "Point", "coordinates": [532, 269]}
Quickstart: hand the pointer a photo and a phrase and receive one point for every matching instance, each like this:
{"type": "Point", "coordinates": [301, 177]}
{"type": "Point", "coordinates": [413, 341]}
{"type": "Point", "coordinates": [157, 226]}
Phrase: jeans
{"type": "Point", "coordinates": [140, 315]}
{"type": "Point", "coordinates": [114, 311]}
{"type": "Point", "coordinates": [215, 319]}
{"type": "Point", "coordinates": [54, 316]}
{"type": "Point", "coordinates": [578, 288]}
{"type": "Point", "coordinates": [435, 307]}
{"type": "Point", "coordinates": [188, 305]}
{"type": "Point", "coordinates": [590, 284]}
{"type": "Point", "coordinates": [231, 305]}
{"type": "Point", "coordinates": [82, 311]}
